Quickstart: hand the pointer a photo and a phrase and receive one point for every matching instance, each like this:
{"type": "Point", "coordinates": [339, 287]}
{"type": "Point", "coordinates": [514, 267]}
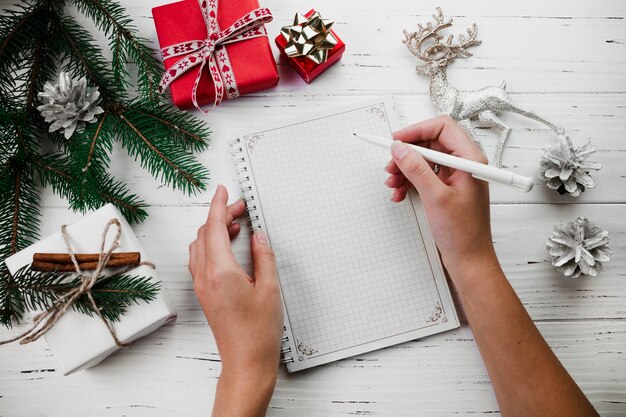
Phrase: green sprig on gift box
{"type": "Point", "coordinates": [39, 41]}
{"type": "Point", "coordinates": [33, 290]}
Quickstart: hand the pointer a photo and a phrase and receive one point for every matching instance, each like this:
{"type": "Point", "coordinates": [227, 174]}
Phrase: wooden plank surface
{"type": "Point", "coordinates": [565, 60]}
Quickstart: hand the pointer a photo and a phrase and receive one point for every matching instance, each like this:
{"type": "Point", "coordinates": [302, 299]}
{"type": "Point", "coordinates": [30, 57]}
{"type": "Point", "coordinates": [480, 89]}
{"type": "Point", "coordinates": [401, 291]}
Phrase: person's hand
{"type": "Point", "coordinates": [244, 312]}
{"type": "Point", "coordinates": [456, 204]}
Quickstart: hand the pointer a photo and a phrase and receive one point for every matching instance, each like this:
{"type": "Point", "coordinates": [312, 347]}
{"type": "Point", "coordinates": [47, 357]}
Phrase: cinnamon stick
{"type": "Point", "coordinates": [62, 262]}
{"type": "Point", "coordinates": [85, 266]}
{"type": "Point", "coordinates": [64, 258]}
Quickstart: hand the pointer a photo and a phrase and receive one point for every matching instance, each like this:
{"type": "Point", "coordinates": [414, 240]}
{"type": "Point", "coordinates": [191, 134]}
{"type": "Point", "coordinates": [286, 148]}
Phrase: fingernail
{"type": "Point", "coordinates": [387, 181]}
{"type": "Point", "coordinates": [388, 165]}
{"type": "Point", "coordinates": [399, 150]}
{"type": "Point", "coordinates": [260, 237]}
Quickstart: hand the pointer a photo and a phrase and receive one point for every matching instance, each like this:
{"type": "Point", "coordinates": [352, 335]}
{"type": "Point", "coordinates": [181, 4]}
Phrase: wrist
{"type": "Point", "coordinates": [247, 377]}
{"type": "Point", "coordinates": [474, 269]}
{"type": "Point", "coordinates": [243, 393]}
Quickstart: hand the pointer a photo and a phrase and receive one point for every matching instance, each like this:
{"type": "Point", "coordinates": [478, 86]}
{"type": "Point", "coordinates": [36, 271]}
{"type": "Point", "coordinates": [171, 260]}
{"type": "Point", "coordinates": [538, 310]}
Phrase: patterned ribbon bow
{"type": "Point", "coordinates": [212, 50]}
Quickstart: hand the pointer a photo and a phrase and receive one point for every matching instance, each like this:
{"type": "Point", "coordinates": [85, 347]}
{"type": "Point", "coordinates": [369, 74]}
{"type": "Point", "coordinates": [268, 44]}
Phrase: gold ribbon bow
{"type": "Point", "coordinates": [310, 37]}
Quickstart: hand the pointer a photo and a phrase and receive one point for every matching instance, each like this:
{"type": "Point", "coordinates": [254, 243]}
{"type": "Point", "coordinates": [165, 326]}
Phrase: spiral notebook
{"type": "Point", "coordinates": [357, 272]}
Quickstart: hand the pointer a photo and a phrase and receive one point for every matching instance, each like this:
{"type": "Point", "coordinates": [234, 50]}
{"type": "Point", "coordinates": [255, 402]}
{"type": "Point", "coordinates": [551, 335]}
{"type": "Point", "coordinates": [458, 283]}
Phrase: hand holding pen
{"type": "Point", "coordinates": [456, 204]}
{"type": "Point", "coordinates": [479, 170]}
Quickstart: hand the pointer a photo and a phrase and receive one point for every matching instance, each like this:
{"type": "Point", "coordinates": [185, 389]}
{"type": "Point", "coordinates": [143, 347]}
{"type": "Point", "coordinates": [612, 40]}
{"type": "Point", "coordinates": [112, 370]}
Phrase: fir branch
{"type": "Point", "coordinates": [150, 69]}
{"type": "Point", "coordinates": [17, 177]}
{"type": "Point", "coordinates": [20, 137]}
{"type": "Point", "coordinates": [84, 58]}
{"type": "Point", "coordinates": [53, 170]}
{"type": "Point", "coordinates": [164, 159]}
{"type": "Point", "coordinates": [20, 31]}
{"type": "Point", "coordinates": [89, 155]}
{"type": "Point", "coordinates": [15, 27]}
{"type": "Point", "coordinates": [108, 15]}
{"type": "Point", "coordinates": [90, 149]}
{"type": "Point", "coordinates": [25, 138]}
{"type": "Point", "coordinates": [43, 68]}
{"type": "Point", "coordinates": [125, 44]}
{"type": "Point", "coordinates": [11, 306]}
{"type": "Point", "coordinates": [8, 132]}
{"type": "Point", "coordinates": [32, 77]}
{"type": "Point", "coordinates": [19, 209]}
{"type": "Point", "coordinates": [103, 189]}
{"type": "Point", "coordinates": [94, 142]}
{"type": "Point", "coordinates": [113, 294]}
{"type": "Point", "coordinates": [37, 291]}
{"type": "Point", "coordinates": [19, 225]}
{"type": "Point", "coordinates": [118, 63]}
{"type": "Point", "coordinates": [172, 124]}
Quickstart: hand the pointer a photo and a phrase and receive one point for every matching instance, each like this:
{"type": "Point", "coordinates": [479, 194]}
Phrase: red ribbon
{"type": "Point", "coordinates": [212, 50]}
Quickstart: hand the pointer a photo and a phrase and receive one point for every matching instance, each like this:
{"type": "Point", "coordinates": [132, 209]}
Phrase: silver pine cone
{"type": "Point", "coordinates": [69, 104]}
{"type": "Point", "coordinates": [566, 169]}
{"type": "Point", "coordinates": [579, 248]}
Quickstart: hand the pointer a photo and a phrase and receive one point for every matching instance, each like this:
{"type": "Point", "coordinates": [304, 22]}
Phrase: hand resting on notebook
{"type": "Point", "coordinates": [243, 311]}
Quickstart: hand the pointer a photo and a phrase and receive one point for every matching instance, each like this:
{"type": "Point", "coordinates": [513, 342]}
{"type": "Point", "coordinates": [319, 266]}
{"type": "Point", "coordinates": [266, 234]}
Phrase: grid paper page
{"type": "Point", "coordinates": [352, 265]}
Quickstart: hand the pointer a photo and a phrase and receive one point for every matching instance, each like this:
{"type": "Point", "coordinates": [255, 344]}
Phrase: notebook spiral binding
{"type": "Point", "coordinates": [247, 190]}
{"type": "Point", "coordinates": [242, 171]}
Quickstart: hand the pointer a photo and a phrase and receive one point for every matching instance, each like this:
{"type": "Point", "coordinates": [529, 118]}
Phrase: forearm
{"type": "Point", "coordinates": [527, 378]}
{"type": "Point", "coordinates": [243, 397]}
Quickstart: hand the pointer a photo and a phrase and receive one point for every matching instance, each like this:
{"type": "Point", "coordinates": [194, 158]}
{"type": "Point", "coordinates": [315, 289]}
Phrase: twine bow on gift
{"type": "Point", "coordinates": [212, 50]}
{"type": "Point", "coordinates": [65, 301]}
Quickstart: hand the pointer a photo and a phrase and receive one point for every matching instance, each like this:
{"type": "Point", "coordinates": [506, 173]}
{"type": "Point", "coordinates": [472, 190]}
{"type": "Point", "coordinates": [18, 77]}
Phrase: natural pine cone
{"type": "Point", "coordinates": [579, 248]}
{"type": "Point", "coordinates": [69, 104]}
{"type": "Point", "coordinates": [566, 169]}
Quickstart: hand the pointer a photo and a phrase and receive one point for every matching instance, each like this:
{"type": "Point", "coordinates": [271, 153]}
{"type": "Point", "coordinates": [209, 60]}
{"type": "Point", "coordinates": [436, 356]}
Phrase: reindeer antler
{"type": "Point", "coordinates": [460, 49]}
{"type": "Point", "coordinates": [414, 41]}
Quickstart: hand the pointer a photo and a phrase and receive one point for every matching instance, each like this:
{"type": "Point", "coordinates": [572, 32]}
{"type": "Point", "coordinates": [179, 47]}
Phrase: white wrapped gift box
{"type": "Point", "coordinates": [77, 340]}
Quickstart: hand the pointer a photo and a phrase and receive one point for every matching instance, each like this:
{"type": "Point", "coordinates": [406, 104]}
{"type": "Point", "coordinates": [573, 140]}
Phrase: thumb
{"type": "Point", "coordinates": [263, 259]}
{"type": "Point", "coordinates": [416, 169]}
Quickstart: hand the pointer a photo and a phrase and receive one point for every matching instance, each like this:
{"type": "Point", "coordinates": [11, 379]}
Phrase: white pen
{"type": "Point", "coordinates": [478, 170]}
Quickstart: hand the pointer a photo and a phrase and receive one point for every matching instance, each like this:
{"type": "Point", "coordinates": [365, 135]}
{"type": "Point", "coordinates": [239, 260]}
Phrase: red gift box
{"type": "Point", "coordinates": [252, 62]}
{"type": "Point", "coordinates": [306, 68]}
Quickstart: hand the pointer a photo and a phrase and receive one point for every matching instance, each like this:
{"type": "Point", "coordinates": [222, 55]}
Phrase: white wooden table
{"type": "Point", "coordinates": [564, 59]}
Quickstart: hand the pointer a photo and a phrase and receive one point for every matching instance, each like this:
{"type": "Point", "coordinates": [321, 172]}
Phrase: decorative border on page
{"type": "Point", "coordinates": [304, 350]}
{"type": "Point", "coordinates": [438, 315]}
{"type": "Point", "coordinates": [378, 111]}
{"type": "Point", "coordinates": [252, 140]}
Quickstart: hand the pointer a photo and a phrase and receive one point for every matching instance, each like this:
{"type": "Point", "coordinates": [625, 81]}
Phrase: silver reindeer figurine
{"type": "Point", "coordinates": [463, 106]}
